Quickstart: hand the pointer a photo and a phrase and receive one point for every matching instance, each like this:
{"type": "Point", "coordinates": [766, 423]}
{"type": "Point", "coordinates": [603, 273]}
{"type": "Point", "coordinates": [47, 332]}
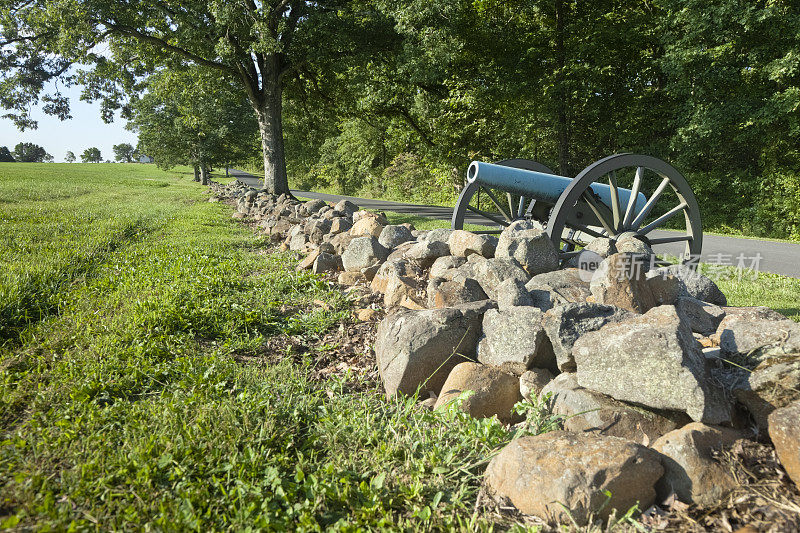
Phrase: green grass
{"type": "Point", "coordinates": [128, 303]}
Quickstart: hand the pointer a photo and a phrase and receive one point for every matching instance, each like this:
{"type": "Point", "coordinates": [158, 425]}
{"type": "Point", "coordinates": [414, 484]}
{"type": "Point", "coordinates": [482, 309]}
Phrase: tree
{"type": "Point", "coordinates": [256, 45]}
{"type": "Point", "coordinates": [31, 153]}
{"type": "Point", "coordinates": [91, 155]}
{"type": "Point", "coordinates": [5, 155]}
{"type": "Point", "coordinates": [124, 152]}
{"type": "Point", "coordinates": [70, 157]}
{"type": "Point", "coordinates": [193, 117]}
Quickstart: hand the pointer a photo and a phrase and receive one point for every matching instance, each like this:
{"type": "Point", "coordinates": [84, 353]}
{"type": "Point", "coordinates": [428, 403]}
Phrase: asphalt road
{"type": "Point", "coordinates": [765, 256]}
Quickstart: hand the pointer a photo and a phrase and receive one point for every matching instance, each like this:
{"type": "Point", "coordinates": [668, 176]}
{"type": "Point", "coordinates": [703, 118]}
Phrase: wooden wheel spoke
{"type": "Point", "coordinates": [665, 240]}
{"type": "Point", "coordinates": [497, 204]}
{"type": "Point", "coordinates": [490, 216]}
{"type": "Point", "coordinates": [663, 218]}
{"type": "Point", "coordinates": [587, 230]}
{"type": "Point", "coordinates": [589, 199]}
{"type": "Point", "coordinates": [511, 210]}
{"type": "Point", "coordinates": [521, 207]}
{"type": "Point", "coordinates": [615, 210]}
{"type": "Point", "coordinates": [630, 209]}
{"type": "Point", "coordinates": [650, 204]}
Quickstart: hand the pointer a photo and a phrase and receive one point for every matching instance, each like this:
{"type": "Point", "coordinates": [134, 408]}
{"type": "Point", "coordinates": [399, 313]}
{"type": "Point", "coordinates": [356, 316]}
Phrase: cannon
{"type": "Point", "coordinates": [620, 196]}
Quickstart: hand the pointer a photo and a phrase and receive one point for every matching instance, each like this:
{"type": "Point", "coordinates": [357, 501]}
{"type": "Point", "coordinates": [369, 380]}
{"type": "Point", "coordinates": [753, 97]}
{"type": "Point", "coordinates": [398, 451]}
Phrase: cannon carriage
{"type": "Point", "coordinates": [620, 196]}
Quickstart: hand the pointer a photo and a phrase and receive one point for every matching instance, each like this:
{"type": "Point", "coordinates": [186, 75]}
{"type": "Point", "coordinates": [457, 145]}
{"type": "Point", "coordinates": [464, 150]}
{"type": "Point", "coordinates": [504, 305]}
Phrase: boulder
{"type": "Point", "coordinates": [439, 235]}
{"type": "Point", "coordinates": [490, 273]}
{"type": "Point", "coordinates": [317, 229]}
{"type": "Point", "coordinates": [494, 392]}
{"type": "Point", "coordinates": [690, 468]}
{"type": "Point", "coordinates": [532, 381]}
{"type": "Point", "coordinates": [514, 339]}
{"type": "Point", "coordinates": [591, 412]}
{"type": "Point", "coordinates": [784, 431]}
{"type": "Point", "coordinates": [297, 243]}
{"type": "Point", "coordinates": [652, 360]}
{"type": "Point", "coordinates": [532, 249]}
{"type": "Point", "coordinates": [464, 243]}
{"type": "Point", "coordinates": [697, 285]}
{"type": "Point", "coordinates": [367, 226]}
{"type": "Point", "coordinates": [308, 261]}
{"type": "Point", "coordinates": [340, 225]}
{"type": "Point", "coordinates": [389, 270]}
{"type": "Point", "coordinates": [400, 250]}
{"type": "Point", "coordinates": [346, 207]}
{"type": "Point", "coordinates": [512, 293]}
{"type": "Point", "coordinates": [702, 317]}
{"type": "Point", "coordinates": [326, 262]}
{"type": "Point", "coordinates": [773, 384]}
{"type": "Point", "coordinates": [632, 245]}
{"type": "Point", "coordinates": [765, 336]}
{"type": "Point", "coordinates": [312, 206]}
{"type": "Point", "coordinates": [559, 287]}
{"type": "Point", "coordinates": [564, 477]}
{"type": "Point", "coordinates": [351, 278]}
{"type": "Point", "coordinates": [443, 264]}
{"type": "Point", "coordinates": [420, 348]}
{"type": "Point", "coordinates": [426, 252]}
{"type": "Point", "coordinates": [620, 281]}
{"type": "Point", "coordinates": [459, 290]}
{"type": "Point", "coordinates": [393, 235]}
{"type": "Point", "coordinates": [402, 291]}
{"type": "Point", "coordinates": [363, 252]}
{"type": "Point", "coordinates": [566, 323]}
{"type": "Point", "coordinates": [602, 246]}
{"type": "Point", "coordinates": [341, 241]}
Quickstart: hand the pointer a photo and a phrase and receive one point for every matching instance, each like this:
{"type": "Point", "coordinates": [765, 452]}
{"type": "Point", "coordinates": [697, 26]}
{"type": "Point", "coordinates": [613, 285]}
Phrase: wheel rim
{"type": "Point", "coordinates": [664, 205]}
{"type": "Point", "coordinates": [509, 207]}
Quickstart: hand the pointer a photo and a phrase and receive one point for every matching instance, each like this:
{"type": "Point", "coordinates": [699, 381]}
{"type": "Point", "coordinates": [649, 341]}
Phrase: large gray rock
{"type": "Point", "coordinates": [564, 477]}
{"type": "Point", "coordinates": [512, 293]}
{"type": "Point", "coordinates": [426, 252]}
{"type": "Point", "coordinates": [312, 206]}
{"type": "Point", "coordinates": [326, 262]}
{"type": "Point", "coordinates": [785, 434]}
{"type": "Point", "coordinates": [702, 317]}
{"type": "Point", "coordinates": [765, 336]}
{"type": "Point", "coordinates": [494, 392]}
{"type": "Point", "coordinates": [363, 252]}
{"type": "Point", "coordinates": [392, 235]}
{"type": "Point", "coordinates": [532, 249]}
{"type": "Point", "coordinates": [690, 469]}
{"type": "Point", "coordinates": [420, 348]}
{"type": "Point", "coordinates": [438, 235]}
{"type": "Point", "coordinates": [340, 225]}
{"type": "Point", "coordinates": [697, 285]}
{"type": "Point", "coordinates": [391, 269]}
{"type": "Point", "coordinates": [317, 229]}
{"type": "Point", "coordinates": [559, 287]}
{"type": "Point", "coordinates": [458, 290]}
{"type": "Point", "coordinates": [464, 243]}
{"type": "Point", "coordinates": [490, 273]}
{"type": "Point", "coordinates": [773, 384]}
{"type": "Point", "coordinates": [565, 324]}
{"type": "Point", "coordinates": [652, 360]}
{"type": "Point", "coordinates": [620, 281]}
{"type": "Point", "coordinates": [443, 264]}
{"type": "Point", "coordinates": [514, 339]}
{"type": "Point", "coordinates": [588, 411]}
{"type": "Point", "coordinates": [346, 207]}
{"type": "Point", "coordinates": [533, 381]}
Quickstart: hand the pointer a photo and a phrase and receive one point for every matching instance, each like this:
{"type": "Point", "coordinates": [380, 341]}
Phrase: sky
{"type": "Point", "coordinates": [84, 130]}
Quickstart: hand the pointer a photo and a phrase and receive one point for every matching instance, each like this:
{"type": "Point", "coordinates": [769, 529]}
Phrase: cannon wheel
{"type": "Point", "coordinates": [510, 208]}
{"type": "Point", "coordinates": [619, 220]}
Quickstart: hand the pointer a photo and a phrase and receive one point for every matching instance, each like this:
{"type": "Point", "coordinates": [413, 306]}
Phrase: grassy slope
{"type": "Point", "coordinates": [123, 297]}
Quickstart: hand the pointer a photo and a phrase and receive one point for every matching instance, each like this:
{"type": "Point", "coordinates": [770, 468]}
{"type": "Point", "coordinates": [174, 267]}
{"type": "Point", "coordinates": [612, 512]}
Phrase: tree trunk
{"type": "Point", "coordinates": [196, 173]}
{"type": "Point", "coordinates": [562, 103]}
{"type": "Point", "coordinates": [270, 125]}
{"type": "Point", "coordinates": [203, 174]}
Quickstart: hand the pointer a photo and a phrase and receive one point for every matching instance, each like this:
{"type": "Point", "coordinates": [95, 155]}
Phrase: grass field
{"type": "Point", "coordinates": [126, 301]}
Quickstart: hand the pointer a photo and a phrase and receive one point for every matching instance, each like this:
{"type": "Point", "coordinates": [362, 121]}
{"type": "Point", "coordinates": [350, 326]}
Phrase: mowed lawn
{"type": "Point", "coordinates": [126, 300]}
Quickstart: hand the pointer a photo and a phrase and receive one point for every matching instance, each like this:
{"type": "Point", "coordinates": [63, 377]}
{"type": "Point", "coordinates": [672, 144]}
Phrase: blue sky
{"type": "Point", "coordinates": [84, 130]}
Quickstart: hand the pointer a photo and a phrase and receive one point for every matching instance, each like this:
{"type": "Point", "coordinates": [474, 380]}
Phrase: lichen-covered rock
{"type": "Point", "coordinates": [490, 273]}
{"type": "Point", "coordinates": [402, 291]}
{"type": "Point", "coordinates": [391, 269]}
{"type": "Point", "coordinates": [784, 431]}
{"type": "Point", "coordinates": [464, 243]}
{"type": "Point", "coordinates": [439, 235]}
{"type": "Point", "coordinates": [532, 381]}
{"type": "Point", "coordinates": [363, 252]}
{"type": "Point", "coordinates": [494, 392]}
{"type": "Point", "coordinates": [393, 235]}
{"type": "Point", "coordinates": [702, 317]}
{"type": "Point", "coordinates": [620, 281]}
{"type": "Point", "coordinates": [443, 264]}
{"type": "Point", "coordinates": [426, 252]}
{"type": "Point", "coordinates": [420, 348]}
{"type": "Point", "coordinates": [773, 384]}
{"type": "Point", "coordinates": [514, 339]}
{"type": "Point", "coordinates": [326, 262]}
{"type": "Point", "coordinates": [340, 225]}
{"type": "Point", "coordinates": [308, 261]}
{"type": "Point", "coordinates": [652, 360]}
{"type": "Point", "coordinates": [697, 285]}
{"type": "Point", "coordinates": [367, 226]}
{"type": "Point", "coordinates": [458, 290]}
{"type": "Point", "coordinates": [588, 411]}
{"type": "Point", "coordinates": [737, 335]}
{"type": "Point", "coordinates": [532, 249]}
{"type": "Point", "coordinates": [317, 229]}
{"type": "Point", "coordinates": [559, 287]}
{"type": "Point", "coordinates": [512, 293]}
{"type": "Point", "coordinates": [690, 469]}
{"type": "Point", "coordinates": [566, 323]}
{"type": "Point", "coordinates": [564, 477]}
{"type": "Point", "coordinates": [346, 207]}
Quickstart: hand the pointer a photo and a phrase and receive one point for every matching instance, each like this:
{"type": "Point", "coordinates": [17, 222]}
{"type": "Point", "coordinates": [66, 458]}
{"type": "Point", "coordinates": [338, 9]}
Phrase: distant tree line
{"type": "Point", "coordinates": [395, 97]}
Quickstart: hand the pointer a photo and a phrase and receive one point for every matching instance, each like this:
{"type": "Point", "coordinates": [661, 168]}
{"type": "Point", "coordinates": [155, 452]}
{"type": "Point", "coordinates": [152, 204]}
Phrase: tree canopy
{"type": "Point", "coordinates": [92, 155]}
{"type": "Point", "coordinates": [5, 155]}
{"type": "Point", "coordinates": [124, 152]}
{"type": "Point", "coordinates": [26, 152]}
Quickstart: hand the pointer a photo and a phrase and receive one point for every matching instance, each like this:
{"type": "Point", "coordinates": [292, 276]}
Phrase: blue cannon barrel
{"type": "Point", "coordinates": [539, 185]}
